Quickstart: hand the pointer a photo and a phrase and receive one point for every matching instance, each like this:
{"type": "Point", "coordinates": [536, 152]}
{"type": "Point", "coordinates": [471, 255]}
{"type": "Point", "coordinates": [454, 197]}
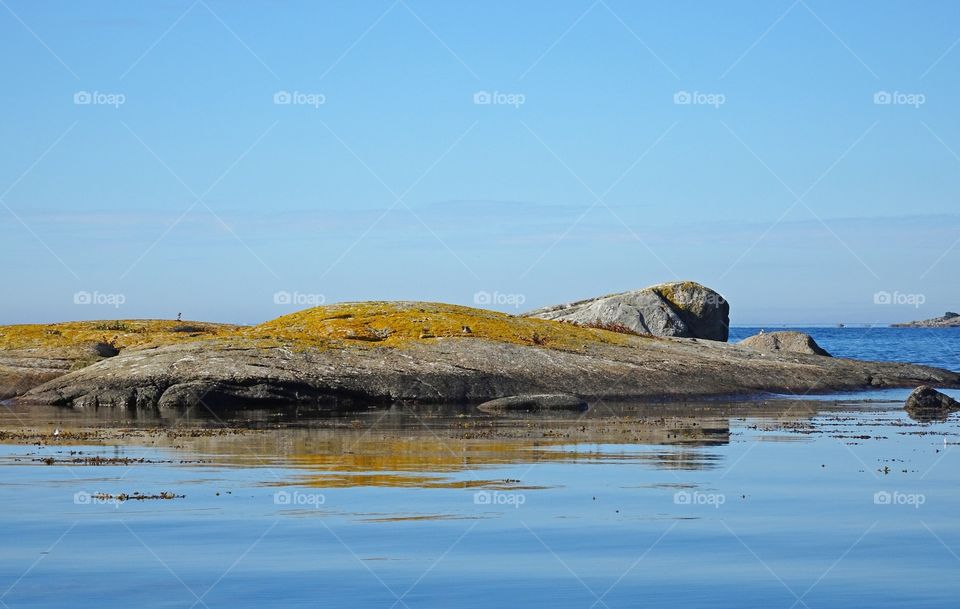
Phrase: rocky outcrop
{"type": "Point", "coordinates": [534, 403]}
{"type": "Point", "coordinates": [947, 320]}
{"type": "Point", "coordinates": [358, 355]}
{"type": "Point", "coordinates": [31, 354]}
{"type": "Point", "coordinates": [220, 375]}
{"type": "Point", "coordinates": [926, 404]}
{"type": "Point", "coordinates": [23, 369]}
{"type": "Point", "coordinates": [682, 309]}
{"type": "Point", "coordinates": [787, 342]}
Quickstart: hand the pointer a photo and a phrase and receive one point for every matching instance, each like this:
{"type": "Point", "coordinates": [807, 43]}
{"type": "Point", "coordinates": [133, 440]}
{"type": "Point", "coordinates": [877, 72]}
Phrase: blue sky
{"type": "Point", "coordinates": [145, 155]}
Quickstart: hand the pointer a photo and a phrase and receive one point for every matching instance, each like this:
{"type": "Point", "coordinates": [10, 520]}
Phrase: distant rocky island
{"type": "Point", "coordinates": [947, 320]}
{"type": "Point", "coordinates": [663, 343]}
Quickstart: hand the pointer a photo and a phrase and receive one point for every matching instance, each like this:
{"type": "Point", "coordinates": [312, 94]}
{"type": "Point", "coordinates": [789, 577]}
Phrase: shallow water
{"type": "Point", "coordinates": [815, 503]}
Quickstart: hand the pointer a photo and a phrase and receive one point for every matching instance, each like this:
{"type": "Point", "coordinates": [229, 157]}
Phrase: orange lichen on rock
{"type": "Point", "coordinates": [118, 333]}
{"type": "Point", "coordinates": [360, 324]}
{"type": "Point", "coordinates": [396, 324]}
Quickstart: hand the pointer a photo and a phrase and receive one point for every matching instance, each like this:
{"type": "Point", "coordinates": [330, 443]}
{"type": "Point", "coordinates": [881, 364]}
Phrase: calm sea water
{"type": "Point", "coordinates": [930, 346]}
{"type": "Point", "coordinates": [820, 503]}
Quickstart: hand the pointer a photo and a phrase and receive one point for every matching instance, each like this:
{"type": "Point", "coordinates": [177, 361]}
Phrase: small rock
{"type": "Point", "coordinates": [534, 403]}
{"type": "Point", "coordinates": [926, 404]}
{"type": "Point", "coordinates": [791, 342]}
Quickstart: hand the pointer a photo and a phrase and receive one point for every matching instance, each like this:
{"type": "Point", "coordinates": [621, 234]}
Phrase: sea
{"type": "Point", "coordinates": [828, 501]}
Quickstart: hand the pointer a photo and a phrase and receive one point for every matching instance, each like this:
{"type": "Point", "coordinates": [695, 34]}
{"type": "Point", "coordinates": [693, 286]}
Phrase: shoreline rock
{"type": "Point", "coordinates": [465, 371]}
{"type": "Point", "coordinates": [926, 404]}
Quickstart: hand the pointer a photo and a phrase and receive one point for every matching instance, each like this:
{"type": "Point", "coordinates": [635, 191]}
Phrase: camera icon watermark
{"type": "Point", "coordinates": [485, 299]}
{"type": "Point", "coordinates": [299, 98]}
{"type": "Point", "coordinates": [499, 498]}
{"type": "Point", "coordinates": [897, 498]}
{"type": "Point", "coordinates": [699, 98]}
{"type": "Point", "coordinates": [899, 98]}
{"type": "Point", "coordinates": [84, 297]}
{"type": "Point", "coordinates": [698, 498]}
{"type": "Point", "coordinates": [300, 299]}
{"type": "Point", "coordinates": [99, 98]}
{"type": "Point", "coordinates": [498, 98]}
{"type": "Point", "coordinates": [296, 498]}
{"type": "Point", "coordinates": [897, 298]}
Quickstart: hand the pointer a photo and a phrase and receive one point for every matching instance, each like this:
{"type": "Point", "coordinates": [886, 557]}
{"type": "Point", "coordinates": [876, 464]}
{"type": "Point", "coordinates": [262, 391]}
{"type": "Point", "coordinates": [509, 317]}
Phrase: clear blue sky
{"type": "Point", "coordinates": [783, 185]}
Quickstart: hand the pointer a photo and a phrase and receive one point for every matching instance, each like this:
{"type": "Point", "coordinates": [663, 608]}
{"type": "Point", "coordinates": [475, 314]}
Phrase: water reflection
{"type": "Point", "coordinates": [430, 447]}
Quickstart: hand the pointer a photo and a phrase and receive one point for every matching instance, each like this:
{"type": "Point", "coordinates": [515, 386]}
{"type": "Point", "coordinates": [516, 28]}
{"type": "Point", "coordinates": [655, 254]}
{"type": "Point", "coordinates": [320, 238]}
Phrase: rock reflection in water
{"type": "Point", "coordinates": [426, 447]}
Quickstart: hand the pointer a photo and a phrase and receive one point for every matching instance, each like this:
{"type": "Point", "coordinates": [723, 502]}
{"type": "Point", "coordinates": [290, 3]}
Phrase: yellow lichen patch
{"type": "Point", "coordinates": [119, 333]}
{"type": "Point", "coordinates": [671, 292]}
{"type": "Point", "coordinates": [397, 324]}
{"type": "Point", "coordinates": [361, 324]}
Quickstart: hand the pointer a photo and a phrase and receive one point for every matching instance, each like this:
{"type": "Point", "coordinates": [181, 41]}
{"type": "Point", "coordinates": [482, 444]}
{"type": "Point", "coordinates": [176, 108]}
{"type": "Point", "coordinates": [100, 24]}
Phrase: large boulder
{"type": "Point", "coordinates": [926, 404]}
{"type": "Point", "coordinates": [790, 342]}
{"type": "Point", "coordinates": [681, 308]}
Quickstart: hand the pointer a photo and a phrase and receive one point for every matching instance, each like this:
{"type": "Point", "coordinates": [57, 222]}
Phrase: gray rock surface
{"type": "Point", "coordinates": [788, 342]}
{"type": "Point", "coordinates": [683, 309]}
{"type": "Point", "coordinates": [23, 369]}
{"type": "Point", "coordinates": [20, 371]}
{"type": "Point", "coordinates": [927, 404]}
{"type": "Point", "coordinates": [216, 374]}
{"type": "Point", "coordinates": [947, 320]}
{"type": "Point", "coordinates": [534, 403]}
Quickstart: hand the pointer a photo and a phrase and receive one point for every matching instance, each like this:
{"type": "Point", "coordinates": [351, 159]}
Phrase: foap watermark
{"type": "Point", "coordinates": [299, 98]}
{"type": "Point", "coordinates": [499, 98]}
{"type": "Point", "coordinates": [85, 498]}
{"type": "Point", "coordinates": [899, 98]}
{"type": "Point", "coordinates": [698, 498]}
{"type": "Point", "coordinates": [300, 299]}
{"type": "Point", "coordinates": [715, 299]}
{"type": "Point", "coordinates": [99, 98]}
{"type": "Point", "coordinates": [699, 98]}
{"type": "Point", "coordinates": [99, 298]}
{"type": "Point", "coordinates": [484, 299]}
{"type": "Point", "coordinates": [499, 498]}
{"type": "Point", "coordinates": [296, 498]}
{"type": "Point", "coordinates": [897, 498]}
{"type": "Point", "coordinates": [897, 298]}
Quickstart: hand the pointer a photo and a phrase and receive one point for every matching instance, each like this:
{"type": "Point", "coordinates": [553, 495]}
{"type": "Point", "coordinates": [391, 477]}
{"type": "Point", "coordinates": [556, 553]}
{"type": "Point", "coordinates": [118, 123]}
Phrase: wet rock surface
{"type": "Point", "coordinates": [927, 404]}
